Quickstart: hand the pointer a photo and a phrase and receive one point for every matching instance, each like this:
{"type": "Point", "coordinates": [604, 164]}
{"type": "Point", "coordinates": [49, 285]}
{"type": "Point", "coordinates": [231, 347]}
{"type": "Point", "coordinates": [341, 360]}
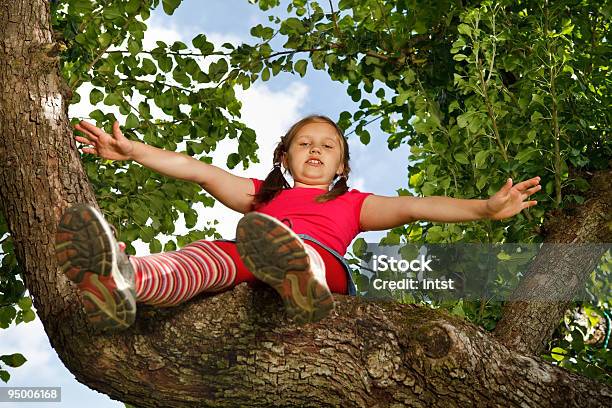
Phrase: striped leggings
{"type": "Point", "coordinates": [169, 278]}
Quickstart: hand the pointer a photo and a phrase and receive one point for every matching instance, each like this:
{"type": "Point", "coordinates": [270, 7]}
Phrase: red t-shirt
{"type": "Point", "coordinates": [334, 223]}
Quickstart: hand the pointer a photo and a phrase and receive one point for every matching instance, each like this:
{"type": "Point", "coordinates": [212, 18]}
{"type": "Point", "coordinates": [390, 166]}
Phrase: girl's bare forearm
{"type": "Point", "coordinates": [171, 164]}
{"type": "Point", "coordinates": [447, 209]}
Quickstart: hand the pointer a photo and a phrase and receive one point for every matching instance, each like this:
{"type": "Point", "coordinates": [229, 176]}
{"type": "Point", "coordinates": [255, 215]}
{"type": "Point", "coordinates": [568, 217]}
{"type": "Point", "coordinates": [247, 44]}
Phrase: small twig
{"type": "Point", "coordinates": [127, 21]}
{"type": "Point", "coordinates": [335, 20]}
{"type": "Point", "coordinates": [367, 123]}
{"type": "Point", "coordinates": [494, 48]}
{"type": "Point", "coordinates": [191, 54]}
{"type": "Point", "coordinates": [382, 11]}
{"type": "Point", "coordinates": [377, 55]}
{"type": "Point", "coordinates": [164, 83]}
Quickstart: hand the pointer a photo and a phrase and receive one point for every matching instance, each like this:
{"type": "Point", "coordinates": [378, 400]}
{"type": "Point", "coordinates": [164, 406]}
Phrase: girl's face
{"type": "Point", "coordinates": [315, 155]}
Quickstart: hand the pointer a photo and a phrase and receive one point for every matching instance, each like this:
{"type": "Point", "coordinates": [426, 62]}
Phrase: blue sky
{"type": "Point", "coordinates": [269, 108]}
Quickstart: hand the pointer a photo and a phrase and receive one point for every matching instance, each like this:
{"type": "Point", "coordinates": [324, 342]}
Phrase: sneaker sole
{"type": "Point", "coordinates": [87, 255]}
{"type": "Point", "coordinates": [276, 256]}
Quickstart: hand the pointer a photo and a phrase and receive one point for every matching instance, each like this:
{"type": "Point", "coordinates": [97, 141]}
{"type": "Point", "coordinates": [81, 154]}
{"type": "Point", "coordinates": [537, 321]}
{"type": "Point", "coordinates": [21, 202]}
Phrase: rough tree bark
{"type": "Point", "coordinates": [232, 348]}
{"type": "Point", "coordinates": [528, 323]}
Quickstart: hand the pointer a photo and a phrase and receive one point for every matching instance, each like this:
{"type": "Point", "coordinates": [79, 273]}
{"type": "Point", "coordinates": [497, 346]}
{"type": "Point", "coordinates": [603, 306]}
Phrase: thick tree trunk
{"type": "Point", "coordinates": [559, 273]}
{"type": "Point", "coordinates": [233, 348]}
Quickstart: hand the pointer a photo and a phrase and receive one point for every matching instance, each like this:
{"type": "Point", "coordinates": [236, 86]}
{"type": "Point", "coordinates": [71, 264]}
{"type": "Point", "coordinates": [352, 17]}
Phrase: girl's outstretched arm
{"type": "Point", "coordinates": [381, 213]}
{"type": "Point", "coordinates": [232, 191]}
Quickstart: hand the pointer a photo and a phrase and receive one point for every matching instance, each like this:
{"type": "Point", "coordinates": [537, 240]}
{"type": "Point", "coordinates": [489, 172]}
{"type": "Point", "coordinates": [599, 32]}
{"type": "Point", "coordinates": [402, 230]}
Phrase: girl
{"type": "Point", "coordinates": [291, 238]}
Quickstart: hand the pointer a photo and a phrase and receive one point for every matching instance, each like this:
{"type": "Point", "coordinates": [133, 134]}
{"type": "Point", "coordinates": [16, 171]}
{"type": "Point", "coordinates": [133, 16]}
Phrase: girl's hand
{"type": "Point", "coordinates": [509, 200]}
{"type": "Point", "coordinates": [115, 147]}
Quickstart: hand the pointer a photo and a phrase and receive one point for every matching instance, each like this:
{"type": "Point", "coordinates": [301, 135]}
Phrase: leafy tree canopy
{"type": "Point", "coordinates": [479, 90]}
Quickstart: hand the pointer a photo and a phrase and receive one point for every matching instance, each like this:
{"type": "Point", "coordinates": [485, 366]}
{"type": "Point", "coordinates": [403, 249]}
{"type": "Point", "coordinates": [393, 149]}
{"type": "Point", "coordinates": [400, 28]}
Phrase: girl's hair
{"type": "Point", "coordinates": [275, 182]}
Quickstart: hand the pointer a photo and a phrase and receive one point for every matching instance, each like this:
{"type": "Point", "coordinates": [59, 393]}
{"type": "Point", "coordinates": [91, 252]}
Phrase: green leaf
{"type": "Point", "coordinates": [105, 39]}
{"type": "Point", "coordinates": [28, 315]}
{"type": "Point", "coordinates": [181, 205]}
{"type": "Point", "coordinates": [568, 29]}
{"type": "Point", "coordinates": [191, 217]}
{"type": "Point", "coordinates": [111, 13]}
{"type": "Point", "coordinates": [300, 67]}
{"type": "Point", "coordinates": [112, 99]}
{"type": "Point", "coordinates": [458, 309]}
{"type": "Point", "coordinates": [503, 256]}
{"type": "Point", "coordinates": [265, 33]}
{"type": "Point", "coordinates": [232, 160]}
{"type": "Point", "coordinates": [531, 135]}
{"type": "Point", "coordinates": [148, 66]}
{"type": "Point", "coordinates": [550, 186]}
{"type": "Point", "coordinates": [200, 42]}
{"type": "Point", "coordinates": [581, 184]}
{"type": "Point", "coordinates": [537, 99]}
{"type": "Point", "coordinates": [536, 116]}
{"type": "Point", "coordinates": [428, 188]}
{"type": "Point", "coordinates": [132, 6]}
{"type": "Point", "coordinates": [170, 5]}
{"type": "Point", "coordinates": [461, 158]}
{"type": "Point", "coordinates": [401, 98]}
{"type": "Point", "coordinates": [294, 24]}
{"type": "Point", "coordinates": [164, 63]}
{"type": "Point", "coordinates": [364, 135]}
{"type": "Point", "coordinates": [577, 341]}
{"type": "Point", "coordinates": [13, 360]}
{"type": "Point", "coordinates": [134, 47]}
{"type": "Point", "coordinates": [132, 121]}
{"type": "Point", "coordinates": [460, 43]}
{"type": "Point", "coordinates": [95, 96]}
{"type": "Point", "coordinates": [409, 252]}
{"type": "Point", "coordinates": [525, 155]}
{"type": "Point", "coordinates": [25, 303]}
{"type": "Point", "coordinates": [178, 46]}
{"type": "Point", "coordinates": [481, 157]}
{"type": "Point", "coordinates": [170, 246]}
{"type": "Point", "coordinates": [462, 120]}
{"type": "Point", "coordinates": [7, 314]}
{"type": "Point", "coordinates": [155, 246]}
{"type": "Point", "coordinates": [409, 77]}
{"type": "Point", "coordinates": [362, 282]}
{"type": "Point", "coordinates": [435, 233]}
{"type": "Point", "coordinates": [4, 375]}
{"type": "Point", "coordinates": [218, 69]}
{"type": "Point", "coordinates": [558, 353]}
{"type": "Point", "coordinates": [359, 247]}
{"type": "Point", "coordinates": [464, 29]}
{"type": "Point", "coordinates": [417, 179]}
{"type": "Point", "coordinates": [147, 234]}
{"type": "Point", "coordinates": [482, 181]}
{"type": "Point", "coordinates": [265, 74]}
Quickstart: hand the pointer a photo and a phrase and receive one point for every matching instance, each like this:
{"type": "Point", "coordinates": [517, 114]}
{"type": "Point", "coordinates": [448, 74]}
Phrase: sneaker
{"type": "Point", "coordinates": [278, 257]}
{"type": "Point", "coordinates": [90, 256]}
